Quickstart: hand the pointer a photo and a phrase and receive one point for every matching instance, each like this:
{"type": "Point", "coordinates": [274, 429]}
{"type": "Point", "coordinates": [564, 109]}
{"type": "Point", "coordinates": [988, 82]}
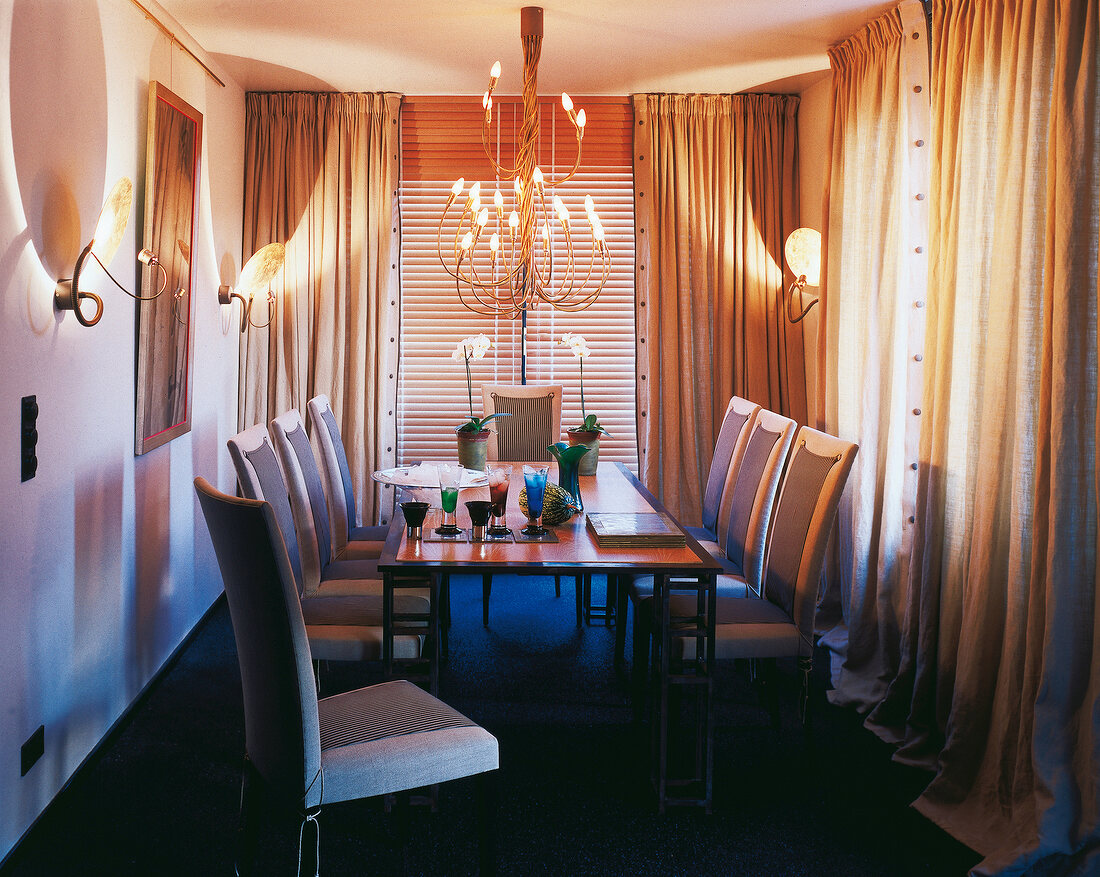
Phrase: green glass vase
{"type": "Point", "coordinates": [569, 459]}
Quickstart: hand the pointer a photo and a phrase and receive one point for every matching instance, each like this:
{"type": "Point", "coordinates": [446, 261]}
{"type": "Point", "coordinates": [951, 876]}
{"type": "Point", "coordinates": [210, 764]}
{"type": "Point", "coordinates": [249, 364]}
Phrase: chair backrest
{"type": "Point", "coordinates": [804, 515]}
{"type": "Point", "coordinates": [335, 469]}
{"type": "Point", "coordinates": [281, 725]}
{"type": "Point", "coordinates": [307, 495]}
{"type": "Point", "coordinates": [261, 477]}
{"type": "Point", "coordinates": [733, 435]}
{"type": "Point", "coordinates": [752, 489]}
{"type": "Point", "coordinates": [535, 420]}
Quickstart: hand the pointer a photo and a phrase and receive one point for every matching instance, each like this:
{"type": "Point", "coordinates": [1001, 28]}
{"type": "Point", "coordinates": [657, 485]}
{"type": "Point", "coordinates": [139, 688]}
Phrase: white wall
{"type": "Point", "coordinates": [105, 563]}
{"type": "Point", "coordinates": [814, 112]}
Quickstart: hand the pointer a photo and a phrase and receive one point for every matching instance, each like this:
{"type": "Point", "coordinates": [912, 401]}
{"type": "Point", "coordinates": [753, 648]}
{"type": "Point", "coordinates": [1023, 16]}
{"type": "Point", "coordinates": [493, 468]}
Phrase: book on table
{"type": "Point", "coordinates": [633, 530]}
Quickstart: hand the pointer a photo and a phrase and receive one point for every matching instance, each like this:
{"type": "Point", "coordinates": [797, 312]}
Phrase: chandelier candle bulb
{"type": "Point", "coordinates": [526, 272]}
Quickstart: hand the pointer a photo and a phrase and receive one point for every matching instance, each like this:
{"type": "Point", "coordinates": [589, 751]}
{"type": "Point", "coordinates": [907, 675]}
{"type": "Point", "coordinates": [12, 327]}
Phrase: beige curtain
{"type": "Point", "coordinates": [875, 274]}
{"type": "Point", "coordinates": [716, 194]}
{"type": "Point", "coordinates": [997, 686]}
{"type": "Point", "coordinates": [321, 174]}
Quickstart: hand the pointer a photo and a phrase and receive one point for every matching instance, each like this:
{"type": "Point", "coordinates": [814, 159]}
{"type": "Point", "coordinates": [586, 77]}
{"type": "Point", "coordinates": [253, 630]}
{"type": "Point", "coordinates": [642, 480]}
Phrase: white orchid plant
{"type": "Point", "coordinates": [470, 348]}
{"type": "Point", "coordinates": [580, 349]}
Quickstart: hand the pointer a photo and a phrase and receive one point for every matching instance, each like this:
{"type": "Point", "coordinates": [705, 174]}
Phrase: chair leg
{"type": "Point", "coordinates": [488, 793]}
{"type": "Point", "coordinates": [622, 597]}
{"type": "Point", "coordinates": [444, 616]}
{"type": "Point", "coordinates": [771, 695]}
{"type": "Point", "coordinates": [639, 670]}
{"type": "Point", "coordinates": [578, 587]}
{"type": "Point", "coordinates": [304, 851]}
{"type": "Point", "coordinates": [557, 586]}
{"type": "Point", "coordinates": [248, 820]}
{"type": "Point", "coordinates": [805, 665]}
{"type": "Point", "coordinates": [486, 590]}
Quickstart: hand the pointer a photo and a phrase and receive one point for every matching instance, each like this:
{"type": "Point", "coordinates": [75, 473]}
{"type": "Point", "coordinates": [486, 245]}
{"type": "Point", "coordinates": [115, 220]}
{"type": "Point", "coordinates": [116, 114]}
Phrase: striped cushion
{"type": "Point", "coordinates": [525, 434]}
{"type": "Point", "coordinates": [395, 736]}
{"type": "Point", "coordinates": [395, 708]}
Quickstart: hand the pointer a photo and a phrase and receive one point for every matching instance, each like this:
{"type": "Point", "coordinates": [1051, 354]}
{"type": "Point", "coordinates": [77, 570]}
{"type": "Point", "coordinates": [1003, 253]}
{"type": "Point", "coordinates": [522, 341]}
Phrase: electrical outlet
{"type": "Point", "coordinates": [28, 438]}
{"type": "Point", "coordinates": [32, 750]}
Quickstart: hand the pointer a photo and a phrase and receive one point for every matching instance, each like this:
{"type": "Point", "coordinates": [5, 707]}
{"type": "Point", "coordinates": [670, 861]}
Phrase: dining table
{"type": "Point", "coordinates": [679, 691]}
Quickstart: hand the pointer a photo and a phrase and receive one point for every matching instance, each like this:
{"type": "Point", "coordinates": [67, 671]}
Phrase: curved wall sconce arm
{"type": "Point", "coordinates": [802, 252]}
{"type": "Point", "coordinates": [102, 247]}
{"type": "Point", "coordinates": [258, 273]}
{"type": "Point", "coordinates": [799, 284]}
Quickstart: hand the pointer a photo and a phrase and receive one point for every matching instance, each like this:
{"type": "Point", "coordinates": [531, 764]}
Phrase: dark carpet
{"type": "Point", "coordinates": [161, 796]}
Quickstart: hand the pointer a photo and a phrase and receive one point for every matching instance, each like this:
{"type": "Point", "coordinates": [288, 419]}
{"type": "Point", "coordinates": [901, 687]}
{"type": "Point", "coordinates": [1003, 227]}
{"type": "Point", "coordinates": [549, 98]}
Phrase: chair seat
{"type": "Point", "coordinates": [748, 627]}
{"type": "Point", "coordinates": [357, 642]}
{"type": "Point", "coordinates": [701, 534]}
{"type": "Point", "coordinates": [368, 534]}
{"type": "Point", "coordinates": [364, 543]}
{"type": "Point", "coordinates": [395, 736]}
{"type": "Point", "coordinates": [363, 568]}
{"type": "Point", "coordinates": [357, 602]}
{"type": "Point", "coordinates": [360, 551]}
{"type": "Point", "coordinates": [730, 584]}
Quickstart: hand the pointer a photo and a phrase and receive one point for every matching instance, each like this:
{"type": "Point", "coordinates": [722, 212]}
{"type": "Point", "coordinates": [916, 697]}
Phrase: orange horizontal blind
{"type": "Point", "coordinates": [441, 141]}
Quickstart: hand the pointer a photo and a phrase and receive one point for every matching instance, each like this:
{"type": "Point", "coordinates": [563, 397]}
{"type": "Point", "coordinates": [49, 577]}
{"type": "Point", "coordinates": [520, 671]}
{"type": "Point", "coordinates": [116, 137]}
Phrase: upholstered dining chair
{"type": "Point", "coordinates": [339, 492]}
{"type": "Point", "coordinates": [729, 447]}
{"type": "Point", "coordinates": [782, 624]}
{"type": "Point", "coordinates": [304, 752]}
{"type": "Point", "coordinates": [534, 420]}
{"type": "Point", "coordinates": [342, 601]}
{"type": "Point", "coordinates": [533, 424]}
{"type": "Point", "coordinates": [751, 488]}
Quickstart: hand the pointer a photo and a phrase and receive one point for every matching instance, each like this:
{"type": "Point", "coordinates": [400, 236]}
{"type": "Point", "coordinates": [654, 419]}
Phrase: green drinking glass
{"type": "Point", "coordinates": [450, 477]}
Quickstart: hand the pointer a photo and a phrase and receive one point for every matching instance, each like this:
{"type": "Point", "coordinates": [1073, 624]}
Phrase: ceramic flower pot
{"type": "Point", "coordinates": [591, 440]}
{"type": "Point", "coordinates": [472, 448]}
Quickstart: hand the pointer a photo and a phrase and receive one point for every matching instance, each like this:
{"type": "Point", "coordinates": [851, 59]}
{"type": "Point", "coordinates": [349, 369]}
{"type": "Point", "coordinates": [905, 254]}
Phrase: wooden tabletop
{"type": "Point", "coordinates": [612, 489]}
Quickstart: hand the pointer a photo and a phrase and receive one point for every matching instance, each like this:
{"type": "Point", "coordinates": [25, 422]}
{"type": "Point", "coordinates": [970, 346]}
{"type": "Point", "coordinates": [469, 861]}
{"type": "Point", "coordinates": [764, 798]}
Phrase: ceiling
{"type": "Point", "coordinates": [589, 46]}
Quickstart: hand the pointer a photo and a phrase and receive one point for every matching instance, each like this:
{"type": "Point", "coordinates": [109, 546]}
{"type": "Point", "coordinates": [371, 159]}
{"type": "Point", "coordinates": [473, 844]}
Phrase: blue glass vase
{"type": "Point", "coordinates": [569, 460]}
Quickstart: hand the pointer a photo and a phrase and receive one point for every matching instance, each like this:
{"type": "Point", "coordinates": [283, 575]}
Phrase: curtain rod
{"type": "Point", "coordinates": [149, 15]}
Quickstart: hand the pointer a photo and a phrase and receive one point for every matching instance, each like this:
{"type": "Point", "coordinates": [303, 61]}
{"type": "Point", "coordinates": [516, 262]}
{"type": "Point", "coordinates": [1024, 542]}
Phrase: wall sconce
{"type": "Point", "coordinates": [803, 254]}
{"type": "Point", "coordinates": [258, 273]}
{"type": "Point", "coordinates": [102, 247]}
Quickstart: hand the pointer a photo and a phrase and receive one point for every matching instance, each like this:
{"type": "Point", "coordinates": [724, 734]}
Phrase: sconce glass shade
{"type": "Point", "coordinates": [112, 220]}
{"type": "Point", "coordinates": [261, 269]}
{"type": "Point", "coordinates": [803, 254]}
{"type": "Point", "coordinates": [257, 275]}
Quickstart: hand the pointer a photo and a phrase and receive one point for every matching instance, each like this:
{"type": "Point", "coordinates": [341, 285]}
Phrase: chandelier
{"type": "Point", "coordinates": [506, 266]}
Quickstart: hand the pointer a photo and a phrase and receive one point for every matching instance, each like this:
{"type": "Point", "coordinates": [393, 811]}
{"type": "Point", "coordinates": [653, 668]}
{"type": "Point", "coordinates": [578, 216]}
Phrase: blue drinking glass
{"type": "Point", "coordinates": [534, 479]}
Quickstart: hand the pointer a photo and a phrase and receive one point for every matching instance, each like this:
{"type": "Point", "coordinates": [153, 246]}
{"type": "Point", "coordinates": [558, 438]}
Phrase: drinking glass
{"type": "Point", "coordinates": [450, 477]}
{"type": "Point", "coordinates": [479, 516]}
{"type": "Point", "coordinates": [414, 513]}
{"type": "Point", "coordinates": [534, 479]}
{"type": "Point", "coordinates": [499, 478]}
